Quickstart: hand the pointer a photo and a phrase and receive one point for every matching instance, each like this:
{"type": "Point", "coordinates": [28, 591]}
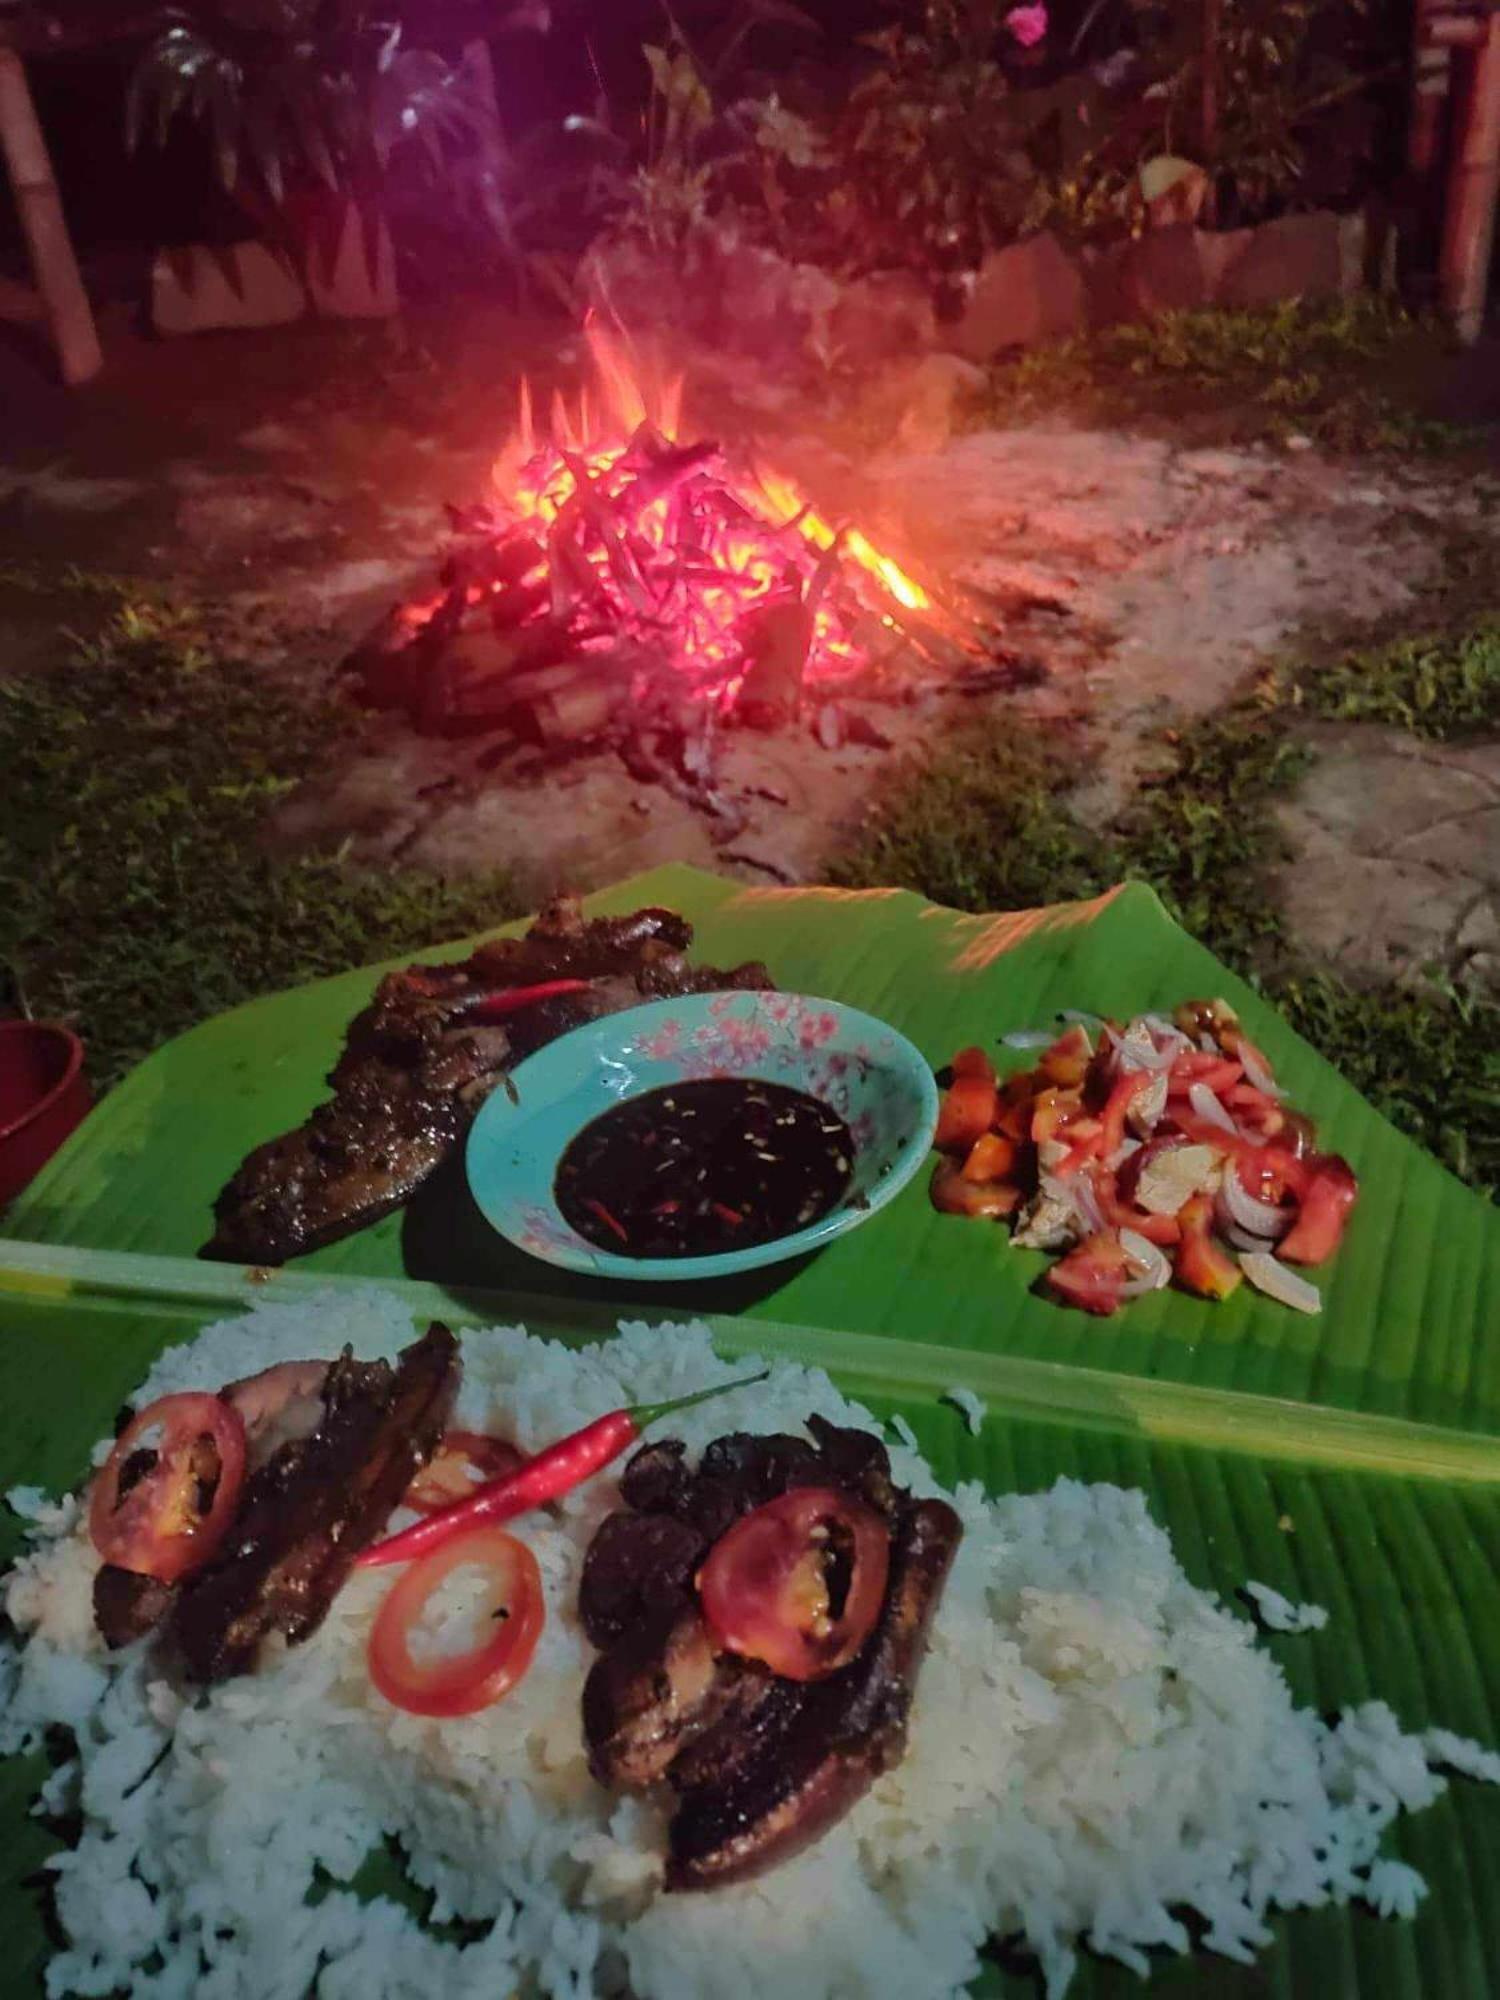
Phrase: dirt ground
{"type": "Point", "coordinates": [296, 481]}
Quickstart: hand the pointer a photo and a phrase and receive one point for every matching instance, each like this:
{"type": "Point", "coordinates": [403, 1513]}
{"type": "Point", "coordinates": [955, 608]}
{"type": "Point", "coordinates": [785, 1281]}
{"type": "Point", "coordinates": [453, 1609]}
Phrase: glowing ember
{"type": "Point", "coordinates": [724, 572]}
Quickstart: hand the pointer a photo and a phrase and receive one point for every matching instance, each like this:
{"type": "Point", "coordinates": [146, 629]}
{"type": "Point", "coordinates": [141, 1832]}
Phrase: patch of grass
{"type": "Point", "coordinates": [1325, 372]}
{"type": "Point", "coordinates": [1440, 687]}
{"type": "Point", "coordinates": [135, 894]}
{"type": "Point", "coordinates": [983, 822]}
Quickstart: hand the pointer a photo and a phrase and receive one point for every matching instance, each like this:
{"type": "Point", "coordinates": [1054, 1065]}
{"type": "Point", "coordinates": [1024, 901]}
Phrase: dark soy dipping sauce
{"type": "Point", "coordinates": [697, 1168]}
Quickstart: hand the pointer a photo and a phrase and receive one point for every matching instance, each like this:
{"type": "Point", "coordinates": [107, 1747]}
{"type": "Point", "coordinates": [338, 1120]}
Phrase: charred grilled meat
{"type": "Point", "coordinates": [420, 1060]}
{"type": "Point", "coordinates": [321, 1495]}
{"type": "Point", "coordinates": [762, 1765]}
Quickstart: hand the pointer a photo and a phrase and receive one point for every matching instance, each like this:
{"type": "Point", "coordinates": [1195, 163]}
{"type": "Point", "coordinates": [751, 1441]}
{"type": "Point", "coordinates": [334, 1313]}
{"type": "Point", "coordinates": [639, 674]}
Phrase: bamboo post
{"type": "Point", "coordinates": [1473, 185]}
{"type": "Point", "coordinates": [39, 205]}
{"type": "Point", "coordinates": [1212, 25]}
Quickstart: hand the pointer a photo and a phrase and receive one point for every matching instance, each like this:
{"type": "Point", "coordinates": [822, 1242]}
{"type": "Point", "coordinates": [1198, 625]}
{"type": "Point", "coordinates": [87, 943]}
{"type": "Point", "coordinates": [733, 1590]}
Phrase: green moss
{"type": "Point", "coordinates": [136, 895]}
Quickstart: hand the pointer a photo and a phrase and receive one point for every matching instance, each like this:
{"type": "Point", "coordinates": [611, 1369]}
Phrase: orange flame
{"type": "Point", "coordinates": [740, 555]}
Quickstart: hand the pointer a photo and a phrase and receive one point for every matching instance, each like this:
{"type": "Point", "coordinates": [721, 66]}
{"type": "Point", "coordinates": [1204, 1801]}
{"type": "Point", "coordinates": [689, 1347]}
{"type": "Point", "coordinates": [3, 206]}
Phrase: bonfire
{"type": "Point", "coordinates": [625, 588]}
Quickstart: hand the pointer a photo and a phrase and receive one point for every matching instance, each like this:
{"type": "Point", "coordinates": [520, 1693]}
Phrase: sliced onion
{"type": "Point", "coordinates": [1092, 1022]}
{"type": "Point", "coordinates": [1123, 1152]}
{"type": "Point", "coordinates": [1279, 1282]}
{"type": "Point", "coordinates": [1028, 1038]}
{"type": "Point", "coordinates": [1050, 1154]}
{"type": "Point", "coordinates": [1210, 1110]}
{"type": "Point", "coordinates": [1080, 1197]}
{"type": "Point", "coordinates": [1138, 1051]}
{"type": "Point", "coordinates": [1154, 1268]}
{"type": "Point", "coordinates": [1240, 1239]}
{"type": "Point", "coordinates": [1166, 1032]}
{"type": "Point", "coordinates": [1257, 1074]}
{"type": "Point", "coordinates": [1143, 1113]}
{"type": "Point", "coordinates": [1259, 1218]}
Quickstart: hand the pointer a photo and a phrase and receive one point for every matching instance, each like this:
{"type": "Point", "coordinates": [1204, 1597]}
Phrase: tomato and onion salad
{"type": "Point", "coordinates": [798, 1583]}
{"type": "Point", "coordinates": [511, 1616]}
{"type": "Point", "coordinates": [1145, 1158]}
{"type": "Point", "coordinates": [164, 1499]}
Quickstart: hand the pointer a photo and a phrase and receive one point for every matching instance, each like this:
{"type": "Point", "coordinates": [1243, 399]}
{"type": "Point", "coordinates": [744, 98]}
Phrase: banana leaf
{"type": "Point", "coordinates": [1392, 1526]}
{"type": "Point", "coordinates": [1410, 1324]}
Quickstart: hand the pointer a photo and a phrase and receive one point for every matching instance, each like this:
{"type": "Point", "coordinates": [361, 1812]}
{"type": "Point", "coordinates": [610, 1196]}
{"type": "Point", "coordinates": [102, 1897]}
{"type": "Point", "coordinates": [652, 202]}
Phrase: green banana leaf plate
{"type": "Point", "coordinates": [1411, 1317]}
{"type": "Point", "coordinates": [1393, 1525]}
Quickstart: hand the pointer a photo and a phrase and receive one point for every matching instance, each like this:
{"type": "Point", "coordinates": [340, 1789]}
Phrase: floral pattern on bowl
{"type": "Point", "coordinates": [857, 1065]}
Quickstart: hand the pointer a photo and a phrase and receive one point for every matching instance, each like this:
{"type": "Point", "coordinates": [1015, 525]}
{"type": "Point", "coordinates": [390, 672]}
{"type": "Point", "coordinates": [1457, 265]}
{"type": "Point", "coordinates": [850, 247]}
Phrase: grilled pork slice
{"type": "Point", "coordinates": [419, 1061]}
{"type": "Point", "coordinates": [800, 1779]}
{"type": "Point", "coordinates": [762, 1765]}
{"type": "Point", "coordinates": [314, 1504]}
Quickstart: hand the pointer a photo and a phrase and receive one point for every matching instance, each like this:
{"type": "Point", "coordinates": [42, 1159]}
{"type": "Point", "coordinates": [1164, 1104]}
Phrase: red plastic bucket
{"type": "Point", "coordinates": [43, 1095]}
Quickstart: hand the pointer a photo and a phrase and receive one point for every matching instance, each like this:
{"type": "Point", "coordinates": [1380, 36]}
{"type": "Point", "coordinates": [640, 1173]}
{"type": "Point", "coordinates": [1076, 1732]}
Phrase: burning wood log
{"type": "Point", "coordinates": [630, 590]}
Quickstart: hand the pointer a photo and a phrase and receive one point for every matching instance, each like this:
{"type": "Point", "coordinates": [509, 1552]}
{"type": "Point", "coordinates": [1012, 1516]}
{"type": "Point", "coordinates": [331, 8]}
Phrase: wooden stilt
{"type": "Point", "coordinates": [1474, 182]}
{"type": "Point", "coordinates": [40, 208]}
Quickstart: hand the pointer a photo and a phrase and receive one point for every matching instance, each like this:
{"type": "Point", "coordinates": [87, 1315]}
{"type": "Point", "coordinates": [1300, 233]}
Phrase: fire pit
{"type": "Point", "coordinates": [627, 590]}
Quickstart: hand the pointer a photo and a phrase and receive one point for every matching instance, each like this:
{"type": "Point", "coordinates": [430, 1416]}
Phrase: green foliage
{"type": "Point", "coordinates": [311, 108]}
{"type": "Point", "coordinates": [136, 895]}
{"type": "Point", "coordinates": [1440, 686]}
{"type": "Point", "coordinates": [1325, 372]}
{"type": "Point", "coordinates": [983, 822]}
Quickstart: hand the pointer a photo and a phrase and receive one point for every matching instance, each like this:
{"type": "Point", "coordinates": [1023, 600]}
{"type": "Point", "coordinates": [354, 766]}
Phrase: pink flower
{"type": "Point", "coordinates": [1028, 25]}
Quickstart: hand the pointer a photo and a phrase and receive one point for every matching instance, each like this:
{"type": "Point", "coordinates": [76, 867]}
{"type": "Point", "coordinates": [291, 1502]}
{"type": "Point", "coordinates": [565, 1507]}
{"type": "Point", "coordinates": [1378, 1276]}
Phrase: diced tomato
{"type": "Point", "coordinates": [973, 1062]}
{"type": "Point", "coordinates": [968, 1111]}
{"type": "Point", "coordinates": [1198, 1066]}
{"type": "Point", "coordinates": [1273, 1173]}
{"type": "Point", "coordinates": [1124, 1094]}
{"type": "Point", "coordinates": [1093, 1276]}
{"type": "Point", "coordinates": [463, 1460]}
{"type": "Point", "coordinates": [768, 1585]}
{"type": "Point", "coordinates": [1200, 1264]}
{"type": "Point", "coordinates": [1085, 1137]}
{"type": "Point", "coordinates": [166, 1496]}
{"type": "Point", "coordinates": [1067, 1059]}
{"type": "Point", "coordinates": [1013, 1116]}
{"type": "Point", "coordinates": [990, 1158]}
{"type": "Point", "coordinates": [460, 1683]}
{"type": "Point", "coordinates": [1254, 1111]}
{"type": "Point", "coordinates": [1051, 1109]}
{"type": "Point", "coordinates": [953, 1194]}
{"type": "Point", "coordinates": [1330, 1195]}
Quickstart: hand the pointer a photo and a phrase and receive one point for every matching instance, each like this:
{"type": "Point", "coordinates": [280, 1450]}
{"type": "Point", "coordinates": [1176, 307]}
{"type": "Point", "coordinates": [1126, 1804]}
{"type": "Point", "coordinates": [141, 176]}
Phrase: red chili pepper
{"type": "Point", "coordinates": [610, 1221]}
{"type": "Point", "coordinates": [511, 999]}
{"type": "Point", "coordinates": [727, 1214]}
{"type": "Point", "coordinates": [549, 1475]}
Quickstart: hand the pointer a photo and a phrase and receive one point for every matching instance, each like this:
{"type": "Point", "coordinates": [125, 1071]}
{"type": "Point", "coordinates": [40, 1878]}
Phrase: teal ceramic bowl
{"type": "Point", "coordinates": [871, 1076]}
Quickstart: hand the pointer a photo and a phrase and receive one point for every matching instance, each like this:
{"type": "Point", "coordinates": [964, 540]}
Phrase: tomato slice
{"type": "Point", "coordinates": [1200, 1265]}
{"type": "Point", "coordinates": [1219, 1073]}
{"type": "Point", "coordinates": [973, 1062]}
{"type": "Point", "coordinates": [968, 1111]}
{"type": "Point", "coordinates": [1093, 1276]}
{"type": "Point", "coordinates": [1066, 1061]}
{"type": "Point", "coordinates": [990, 1158]}
{"type": "Point", "coordinates": [798, 1584]}
{"type": "Point", "coordinates": [166, 1495]}
{"type": "Point", "coordinates": [464, 1460]}
{"type": "Point", "coordinates": [460, 1683]}
{"type": "Point", "coordinates": [1329, 1196]}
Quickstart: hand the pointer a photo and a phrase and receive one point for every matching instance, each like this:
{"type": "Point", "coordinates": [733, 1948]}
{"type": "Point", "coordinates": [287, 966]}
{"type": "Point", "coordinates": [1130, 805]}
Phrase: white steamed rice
{"type": "Point", "coordinates": [1095, 1745]}
{"type": "Point", "coordinates": [1279, 1614]}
